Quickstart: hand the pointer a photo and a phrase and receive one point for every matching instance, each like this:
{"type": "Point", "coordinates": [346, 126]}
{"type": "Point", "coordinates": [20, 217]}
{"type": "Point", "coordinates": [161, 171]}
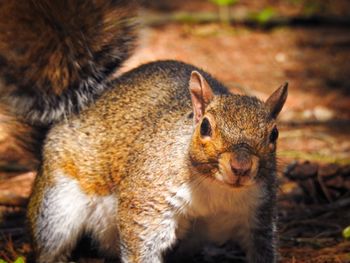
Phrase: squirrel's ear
{"type": "Point", "coordinates": [201, 94]}
{"type": "Point", "coordinates": [276, 101]}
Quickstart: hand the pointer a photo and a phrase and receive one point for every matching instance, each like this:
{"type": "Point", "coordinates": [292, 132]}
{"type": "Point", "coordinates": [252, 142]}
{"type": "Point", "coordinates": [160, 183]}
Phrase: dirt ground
{"type": "Point", "coordinates": [314, 125]}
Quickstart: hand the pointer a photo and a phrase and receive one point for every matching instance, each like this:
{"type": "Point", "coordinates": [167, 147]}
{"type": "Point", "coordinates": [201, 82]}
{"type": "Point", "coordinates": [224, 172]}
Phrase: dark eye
{"type": "Point", "coordinates": [274, 135]}
{"type": "Point", "coordinates": [205, 128]}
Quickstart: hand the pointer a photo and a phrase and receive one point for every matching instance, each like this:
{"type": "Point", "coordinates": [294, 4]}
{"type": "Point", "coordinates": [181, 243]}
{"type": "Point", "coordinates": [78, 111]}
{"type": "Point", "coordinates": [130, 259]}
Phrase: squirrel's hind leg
{"type": "Point", "coordinates": [57, 213]}
{"type": "Point", "coordinates": [102, 224]}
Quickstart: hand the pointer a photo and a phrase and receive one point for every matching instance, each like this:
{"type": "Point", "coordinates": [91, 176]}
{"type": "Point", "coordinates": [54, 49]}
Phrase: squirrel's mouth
{"type": "Point", "coordinates": [234, 180]}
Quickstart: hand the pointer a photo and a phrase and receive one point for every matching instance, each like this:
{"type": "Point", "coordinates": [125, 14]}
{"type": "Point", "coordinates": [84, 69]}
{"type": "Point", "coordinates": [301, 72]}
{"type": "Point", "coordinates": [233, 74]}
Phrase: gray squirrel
{"type": "Point", "coordinates": [161, 156]}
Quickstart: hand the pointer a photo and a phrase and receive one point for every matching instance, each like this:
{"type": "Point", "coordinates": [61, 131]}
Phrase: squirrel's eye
{"type": "Point", "coordinates": [205, 128]}
{"type": "Point", "coordinates": [274, 135]}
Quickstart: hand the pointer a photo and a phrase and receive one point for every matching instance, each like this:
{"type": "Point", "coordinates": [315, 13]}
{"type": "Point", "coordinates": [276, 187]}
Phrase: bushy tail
{"type": "Point", "coordinates": [56, 55]}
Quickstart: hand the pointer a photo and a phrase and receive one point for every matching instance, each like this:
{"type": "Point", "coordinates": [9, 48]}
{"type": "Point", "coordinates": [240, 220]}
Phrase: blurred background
{"type": "Point", "coordinates": [253, 47]}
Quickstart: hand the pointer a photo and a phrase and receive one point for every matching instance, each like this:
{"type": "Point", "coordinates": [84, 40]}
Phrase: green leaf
{"type": "Point", "coordinates": [19, 260]}
{"type": "Point", "coordinates": [265, 15]}
{"type": "Point", "coordinates": [224, 2]}
{"type": "Point", "coordinates": [346, 232]}
{"type": "Point", "coordinates": [2, 261]}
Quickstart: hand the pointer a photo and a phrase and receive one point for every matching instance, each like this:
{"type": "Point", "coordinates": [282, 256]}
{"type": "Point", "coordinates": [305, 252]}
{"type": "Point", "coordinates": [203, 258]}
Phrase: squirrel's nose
{"type": "Point", "coordinates": [241, 165]}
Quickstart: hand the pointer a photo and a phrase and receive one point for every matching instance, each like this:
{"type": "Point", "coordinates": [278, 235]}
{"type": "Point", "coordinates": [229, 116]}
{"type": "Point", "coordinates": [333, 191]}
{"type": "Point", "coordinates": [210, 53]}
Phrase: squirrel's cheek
{"type": "Point", "coordinates": [208, 148]}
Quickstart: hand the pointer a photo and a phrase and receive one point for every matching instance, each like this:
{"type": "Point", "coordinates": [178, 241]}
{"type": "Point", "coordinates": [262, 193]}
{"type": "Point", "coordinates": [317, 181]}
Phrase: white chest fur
{"type": "Point", "coordinates": [215, 212]}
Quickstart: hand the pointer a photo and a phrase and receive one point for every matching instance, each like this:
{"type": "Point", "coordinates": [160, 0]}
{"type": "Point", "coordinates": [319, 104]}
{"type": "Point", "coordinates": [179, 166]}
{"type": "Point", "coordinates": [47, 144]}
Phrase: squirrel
{"type": "Point", "coordinates": [162, 157]}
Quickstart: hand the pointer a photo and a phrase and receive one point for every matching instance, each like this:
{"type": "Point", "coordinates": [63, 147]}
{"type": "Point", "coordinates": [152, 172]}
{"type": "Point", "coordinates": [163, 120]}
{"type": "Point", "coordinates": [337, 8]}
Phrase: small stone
{"type": "Point", "coordinates": [322, 113]}
{"type": "Point", "coordinates": [280, 57]}
{"type": "Point", "coordinates": [307, 114]}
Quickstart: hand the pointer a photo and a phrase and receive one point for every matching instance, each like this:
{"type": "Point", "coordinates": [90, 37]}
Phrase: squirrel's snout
{"type": "Point", "coordinates": [241, 164]}
{"type": "Point", "coordinates": [238, 168]}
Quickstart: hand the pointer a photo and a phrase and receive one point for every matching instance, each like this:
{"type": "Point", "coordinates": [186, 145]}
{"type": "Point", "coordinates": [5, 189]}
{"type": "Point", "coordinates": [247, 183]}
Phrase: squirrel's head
{"type": "Point", "coordinates": [234, 135]}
